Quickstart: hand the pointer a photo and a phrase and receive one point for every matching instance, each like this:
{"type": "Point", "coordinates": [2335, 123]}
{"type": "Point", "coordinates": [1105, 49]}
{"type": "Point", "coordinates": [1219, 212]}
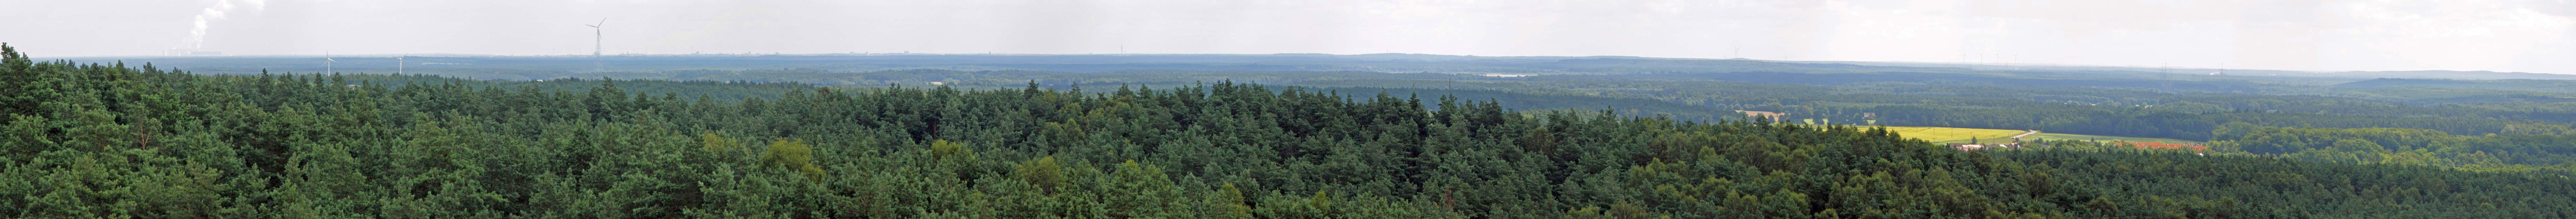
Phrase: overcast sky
{"type": "Point", "coordinates": [2501, 35]}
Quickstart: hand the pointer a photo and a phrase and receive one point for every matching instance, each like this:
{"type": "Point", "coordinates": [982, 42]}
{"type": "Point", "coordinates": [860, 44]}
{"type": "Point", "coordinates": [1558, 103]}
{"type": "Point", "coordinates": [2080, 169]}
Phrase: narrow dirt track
{"type": "Point", "coordinates": [2026, 133]}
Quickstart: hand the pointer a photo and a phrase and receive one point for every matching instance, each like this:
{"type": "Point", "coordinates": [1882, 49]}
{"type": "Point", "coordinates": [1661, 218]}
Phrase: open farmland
{"type": "Point", "coordinates": [1961, 135]}
{"type": "Point", "coordinates": [2057, 136]}
{"type": "Point", "coordinates": [1955, 135]}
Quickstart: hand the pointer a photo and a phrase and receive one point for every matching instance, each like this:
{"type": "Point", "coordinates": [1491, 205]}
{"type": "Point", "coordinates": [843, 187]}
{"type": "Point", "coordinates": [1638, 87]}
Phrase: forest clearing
{"type": "Point", "coordinates": [1962, 135]}
{"type": "Point", "coordinates": [1954, 135]}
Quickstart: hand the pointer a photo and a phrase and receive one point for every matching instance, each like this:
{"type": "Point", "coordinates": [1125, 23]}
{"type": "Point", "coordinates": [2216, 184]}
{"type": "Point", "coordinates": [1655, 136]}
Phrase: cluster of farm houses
{"type": "Point", "coordinates": [1776, 116]}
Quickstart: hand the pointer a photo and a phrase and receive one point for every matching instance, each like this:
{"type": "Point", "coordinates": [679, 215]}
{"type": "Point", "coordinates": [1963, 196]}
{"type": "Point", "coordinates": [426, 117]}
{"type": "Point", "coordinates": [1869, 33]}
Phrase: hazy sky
{"type": "Point", "coordinates": [2501, 35]}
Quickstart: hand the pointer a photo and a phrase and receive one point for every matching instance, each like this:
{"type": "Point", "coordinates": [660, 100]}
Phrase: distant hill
{"type": "Point", "coordinates": [2448, 90]}
{"type": "Point", "coordinates": [2553, 86]}
{"type": "Point", "coordinates": [2467, 75]}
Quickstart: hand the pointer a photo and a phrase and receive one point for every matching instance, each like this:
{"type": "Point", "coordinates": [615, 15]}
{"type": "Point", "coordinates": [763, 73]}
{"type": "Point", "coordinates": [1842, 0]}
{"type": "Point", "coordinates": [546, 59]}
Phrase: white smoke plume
{"type": "Point", "coordinates": [197, 30]}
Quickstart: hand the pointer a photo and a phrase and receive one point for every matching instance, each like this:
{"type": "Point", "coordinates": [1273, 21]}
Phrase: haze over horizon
{"type": "Point", "coordinates": [2501, 35]}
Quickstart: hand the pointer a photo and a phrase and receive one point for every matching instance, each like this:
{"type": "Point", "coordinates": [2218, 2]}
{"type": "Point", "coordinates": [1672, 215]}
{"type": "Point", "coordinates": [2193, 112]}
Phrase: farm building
{"type": "Point", "coordinates": [1971, 147]}
{"type": "Point", "coordinates": [1775, 116]}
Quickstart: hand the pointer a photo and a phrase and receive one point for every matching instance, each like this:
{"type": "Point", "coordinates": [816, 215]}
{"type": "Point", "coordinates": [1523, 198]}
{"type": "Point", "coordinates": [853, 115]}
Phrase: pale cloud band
{"type": "Point", "coordinates": [2502, 35]}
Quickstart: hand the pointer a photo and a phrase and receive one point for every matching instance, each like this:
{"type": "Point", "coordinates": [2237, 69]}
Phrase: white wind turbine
{"type": "Point", "coordinates": [326, 62]}
{"type": "Point", "coordinates": [594, 44]}
{"type": "Point", "coordinates": [398, 64]}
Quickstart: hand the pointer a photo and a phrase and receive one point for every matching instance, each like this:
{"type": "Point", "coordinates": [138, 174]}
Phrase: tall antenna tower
{"type": "Point", "coordinates": [594, 45]}
{"type": "Point", "coordinates": [2166, 73]}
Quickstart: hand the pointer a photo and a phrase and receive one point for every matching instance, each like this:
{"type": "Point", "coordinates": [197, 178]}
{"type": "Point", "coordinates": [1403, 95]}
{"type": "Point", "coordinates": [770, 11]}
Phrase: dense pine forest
{"type": "Point", "coordinates": [109, 140]}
